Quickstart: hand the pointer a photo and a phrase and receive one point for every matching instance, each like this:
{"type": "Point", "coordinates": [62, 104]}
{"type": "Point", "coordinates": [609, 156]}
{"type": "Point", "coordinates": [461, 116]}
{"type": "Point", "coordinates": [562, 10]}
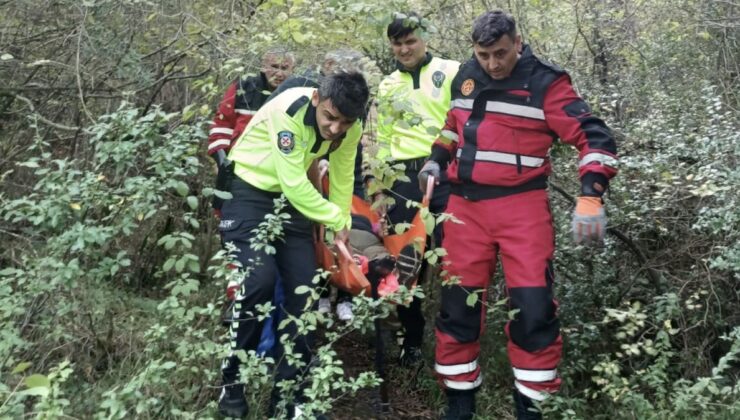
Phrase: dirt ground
{"type": "Point", "coordinates": [408, 388]}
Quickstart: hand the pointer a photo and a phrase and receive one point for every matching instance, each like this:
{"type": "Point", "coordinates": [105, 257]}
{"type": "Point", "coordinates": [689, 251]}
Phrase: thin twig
{"type": "Point", "coordinates": [77, 67]}
{"type": "Point", "coordinates": [42, 119]}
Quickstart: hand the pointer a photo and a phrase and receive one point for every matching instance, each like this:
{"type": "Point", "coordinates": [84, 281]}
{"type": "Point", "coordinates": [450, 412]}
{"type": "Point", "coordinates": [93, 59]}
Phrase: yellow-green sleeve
{"type": "Point", "coordinates": [289, 149]}
{"type": "Point", "coordinates": [342, 173]}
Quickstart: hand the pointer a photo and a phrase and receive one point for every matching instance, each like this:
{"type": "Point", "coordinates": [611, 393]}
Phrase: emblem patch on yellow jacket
{"type": "Point", "coordinates": [285, 140]}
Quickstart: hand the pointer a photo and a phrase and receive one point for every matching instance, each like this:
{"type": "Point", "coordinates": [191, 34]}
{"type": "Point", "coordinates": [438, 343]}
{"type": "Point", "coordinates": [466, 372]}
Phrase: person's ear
{"type": "Point", "coordinates": [315, 98]}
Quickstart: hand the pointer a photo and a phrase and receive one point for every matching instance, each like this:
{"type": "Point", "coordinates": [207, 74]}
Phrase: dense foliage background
{"type": "Point", "coordinates": [109, 296]}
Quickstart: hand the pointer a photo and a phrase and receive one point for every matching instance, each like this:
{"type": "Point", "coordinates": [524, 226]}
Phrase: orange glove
{"type": "Point", "coordinates": [589, 221]}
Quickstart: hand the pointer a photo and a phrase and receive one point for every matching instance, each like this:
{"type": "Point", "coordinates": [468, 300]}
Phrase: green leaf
{"type": "Point", "coordinates": [169, 243]}
{"type": "Point", "coordinates": [299, 37]}
{"type": "Point", "coordinates": [512, 313]}
{"type": "Point", "coordinates": [180, 264]}
{"type": "Point", "coordinates": [182, 188]}
{"type": "Point", "coordinates": [6, 57]}
{"type": "Point", "coordinates": [38, 391]}
{"type": "Point", "coordinates": [302, 290]}
{"type": "Point", "coordinates": [9, 271]}
{"type": "Point", "coordinates": [192, 202]}
{"type": "Point", "coordinates": [168, 264]}
{"type": "Point", "coordinates": [472, 299]}
{"type": "Point", "coordinates": [224, 195]}
{"type": "Point", "coordinates": [37, 381]}
{"type": "Point", "coordinates": [432, 131]}
{"type": "Point", "coordinates": [21, 367]}
{"type": "Point", "coordinates": [30, 164]}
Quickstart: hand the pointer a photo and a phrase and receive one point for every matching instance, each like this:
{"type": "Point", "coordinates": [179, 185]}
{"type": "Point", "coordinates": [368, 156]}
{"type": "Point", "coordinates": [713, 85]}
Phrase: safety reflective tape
{"type": "Point", "coordinates": [462, 103]}
{"type": "Point", "coordinates": [448, 134]}
{"type": "Point", "coordinates": [510, 158]}
{"type": "Point", "coordinates": [244, 111]}
{"type": "Point", "coordinates": [219, 143]}
{"type": "Point", "coordinates": [221, 130]}
{"type": "Point", "coordinates": [531, 393]}
{"type": "Point", "coordinates": [507, 158]}
{"type": "Point", "coordinates": [518, 110]}
{"type": "Point", "coordinates": [464, 385]}
{"type": "Point", "coordinates": [502, 108]}
{"type": "Point", "coordinates": [456, 369]}
{"type": "Point", "coordinates": [535, 375]}
{"type": "Point", "coordinates": [599, 157]}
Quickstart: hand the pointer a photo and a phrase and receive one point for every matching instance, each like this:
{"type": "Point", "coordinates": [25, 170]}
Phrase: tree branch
{"type": "Point", "coordinates": [42, 119]}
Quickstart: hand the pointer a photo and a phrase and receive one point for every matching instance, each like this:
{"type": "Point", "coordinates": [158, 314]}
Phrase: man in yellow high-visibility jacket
{"type": "Point", "coordinates": [270, 160]}
{"type": "Point", "coordinates": [412, 105]}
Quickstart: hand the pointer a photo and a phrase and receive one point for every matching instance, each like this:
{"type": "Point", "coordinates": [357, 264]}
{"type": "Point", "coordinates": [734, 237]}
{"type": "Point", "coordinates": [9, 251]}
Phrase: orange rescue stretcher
{"type": "Point", "coordinates": [346, 274]}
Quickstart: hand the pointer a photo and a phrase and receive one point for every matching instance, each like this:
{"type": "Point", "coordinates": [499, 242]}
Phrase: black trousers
{"type": "Point", "coordinates": [411, 317]}
{"type": "Point", "coordinates": [294, 259]}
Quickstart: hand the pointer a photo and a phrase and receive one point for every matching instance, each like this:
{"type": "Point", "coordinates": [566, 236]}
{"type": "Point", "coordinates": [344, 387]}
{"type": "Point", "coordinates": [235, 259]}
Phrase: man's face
{"type": "Point", "coordinates": [499, 59]}
{"type": "Point", "coordinates": [332, 123]}
{"type": "Point", "coordinates": [409, 50]}
{"type": "Point", "coordinates": [277, 68]}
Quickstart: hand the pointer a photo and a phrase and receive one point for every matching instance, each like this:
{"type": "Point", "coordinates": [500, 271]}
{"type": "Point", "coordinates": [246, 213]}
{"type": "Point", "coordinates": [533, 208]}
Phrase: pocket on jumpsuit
{"type": "Point", "coordinates": [237, 221]}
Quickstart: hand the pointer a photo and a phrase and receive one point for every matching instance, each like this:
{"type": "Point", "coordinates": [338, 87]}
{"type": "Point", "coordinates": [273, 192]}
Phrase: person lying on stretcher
{"type": "Point", "coordinates": [376, 262]}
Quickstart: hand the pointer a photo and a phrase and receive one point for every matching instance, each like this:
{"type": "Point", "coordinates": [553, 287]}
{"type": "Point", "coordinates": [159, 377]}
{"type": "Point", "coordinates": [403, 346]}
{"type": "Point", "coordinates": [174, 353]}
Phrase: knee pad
{"type": "Point", "coordinates": [456, 318]}
{"type": "Point", "coordinates": [536, 325]}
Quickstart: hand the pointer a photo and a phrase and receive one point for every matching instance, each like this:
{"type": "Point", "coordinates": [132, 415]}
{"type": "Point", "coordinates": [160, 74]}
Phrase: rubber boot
{"type": "Point", "coordinates": [460, 405]}
{"type": "Point", "coordinates": [525, 408]}
{"type": "Point", "coordinates": [232, 402]}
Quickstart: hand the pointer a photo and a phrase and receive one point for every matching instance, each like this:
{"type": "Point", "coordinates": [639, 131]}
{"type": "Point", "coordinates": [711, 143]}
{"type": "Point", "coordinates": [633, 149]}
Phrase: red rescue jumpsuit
{"type": "Point", "coordinates": [496, 140]}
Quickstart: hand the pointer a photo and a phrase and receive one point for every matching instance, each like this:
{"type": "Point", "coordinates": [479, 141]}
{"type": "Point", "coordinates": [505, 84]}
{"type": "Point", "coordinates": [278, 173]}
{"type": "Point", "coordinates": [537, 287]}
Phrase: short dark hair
{"type": "Point", "coordinates": [348, 92]}
{"type": "Point", "coordinates": [491, 26]}
{"type": "Point", "coordinates": [404, 24]}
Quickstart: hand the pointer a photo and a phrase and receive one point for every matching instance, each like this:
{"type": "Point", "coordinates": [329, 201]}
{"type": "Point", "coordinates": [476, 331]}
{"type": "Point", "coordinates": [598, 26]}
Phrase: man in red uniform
{"type": "Point", "coordinates": [244, 97]}
{"type": "Point", "coordinates": [508, 107]}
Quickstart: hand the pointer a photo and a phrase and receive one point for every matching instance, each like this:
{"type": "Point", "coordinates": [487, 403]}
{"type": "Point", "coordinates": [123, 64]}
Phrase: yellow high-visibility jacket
{"type": "Point", "coordinates": [277, 148]}
{"type": "Point", "coordinates": [426, 92]}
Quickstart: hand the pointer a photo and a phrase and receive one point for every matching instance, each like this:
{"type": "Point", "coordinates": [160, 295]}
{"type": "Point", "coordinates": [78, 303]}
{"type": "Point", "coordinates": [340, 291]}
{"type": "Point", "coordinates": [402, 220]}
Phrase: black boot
{"type": "Point", "coordinates": [411, 356]}
{"type": "Point", "coordinates": [460, 405]}
{"type": "Point", "coordinates": [232, 402]}
{"type": "Point", "coordinates": [525, 409]}
{"type": "Point", "coordinates": [289, 411]}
